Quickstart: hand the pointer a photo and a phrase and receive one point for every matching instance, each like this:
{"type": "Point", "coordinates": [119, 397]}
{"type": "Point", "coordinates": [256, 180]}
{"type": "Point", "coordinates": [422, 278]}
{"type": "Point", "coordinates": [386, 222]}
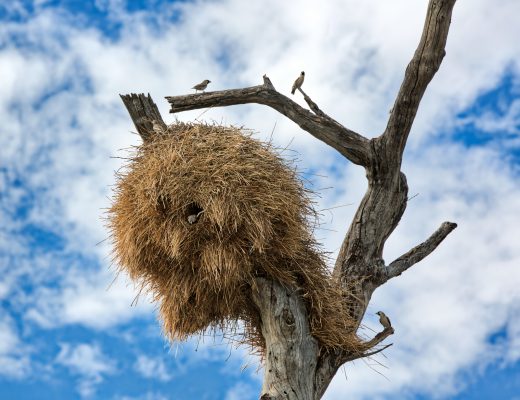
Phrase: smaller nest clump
{"type": "Point", "coordinates": [202, 210]}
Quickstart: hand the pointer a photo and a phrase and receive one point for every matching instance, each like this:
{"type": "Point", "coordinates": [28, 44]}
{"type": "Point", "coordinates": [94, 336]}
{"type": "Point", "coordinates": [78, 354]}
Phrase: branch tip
{"type": "Point", "coordinates": [268, 83]}
{"type": "Point", "coordinates": [419, 252]}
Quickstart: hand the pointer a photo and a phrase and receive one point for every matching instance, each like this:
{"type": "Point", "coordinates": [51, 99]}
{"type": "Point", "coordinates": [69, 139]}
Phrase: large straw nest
{"type": "Point", "coordinates": [254, 220]}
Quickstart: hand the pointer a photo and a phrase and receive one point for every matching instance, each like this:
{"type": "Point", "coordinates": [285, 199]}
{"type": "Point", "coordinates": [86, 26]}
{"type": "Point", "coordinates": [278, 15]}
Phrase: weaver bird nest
{"type": "Point", "coordinates": [200, 211]}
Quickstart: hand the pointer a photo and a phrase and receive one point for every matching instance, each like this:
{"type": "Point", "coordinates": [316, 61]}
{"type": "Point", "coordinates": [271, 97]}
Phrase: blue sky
{"type": "Point", "coordinates": [69, 330]}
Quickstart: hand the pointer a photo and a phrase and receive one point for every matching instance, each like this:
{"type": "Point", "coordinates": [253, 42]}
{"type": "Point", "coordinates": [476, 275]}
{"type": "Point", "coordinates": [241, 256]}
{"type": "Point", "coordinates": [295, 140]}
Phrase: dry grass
{"type": "Point", "coordinates": [254, 220]}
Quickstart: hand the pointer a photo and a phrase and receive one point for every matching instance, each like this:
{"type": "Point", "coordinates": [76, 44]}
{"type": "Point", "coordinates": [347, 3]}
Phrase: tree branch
{"type": "Point", "coordinates": [419, 252]}
{"type": "Point", "coordinates": [312, 105]}
{"type": "Point", "coordinates": [377, 339]}
{"type": "Point", "coordinates": [329, 362]}
{"type": "Point", "coordinates": [360, 256]}
{"type": "Point", "coordinates": [371, 353]}
{"type": "Point", "coordinates": [419, 73]}
{"type": "Point", "coordinates": [350, 144]}
{"type": "Point", "coordinates": [143, 111]}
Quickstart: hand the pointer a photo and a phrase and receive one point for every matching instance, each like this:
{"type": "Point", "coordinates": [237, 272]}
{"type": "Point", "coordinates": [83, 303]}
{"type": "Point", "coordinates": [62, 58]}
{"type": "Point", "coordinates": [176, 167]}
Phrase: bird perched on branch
{"type": "Point", "coordinates": [298, 82]}
{"type": "Point", "coordinates": [201, 86]}
{"type": "Point", "coordinates": [384, 320]}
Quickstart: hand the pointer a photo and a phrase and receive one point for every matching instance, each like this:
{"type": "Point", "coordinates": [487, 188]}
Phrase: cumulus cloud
{"type": "Point", "coordinates": [508, 121]}
{"type": "Point", "coordinates": [154, 368]}
{"type": "Point", "coordinates": [92, 301]}
{"type": "Point", "coordinates": [87, 361]}
{"type": "Point", "coordinates": [214, 347]}
{"type": "Point", "coordinates": [14, 355]}
{"type": "Point", "coordinates": [62, 121]}
{"type": "Point", "coordinates": [241, 391]}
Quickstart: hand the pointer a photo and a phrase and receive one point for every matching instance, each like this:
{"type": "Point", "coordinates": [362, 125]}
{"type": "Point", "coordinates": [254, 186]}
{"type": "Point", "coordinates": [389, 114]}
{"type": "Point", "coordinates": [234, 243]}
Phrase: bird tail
{"type": "Point", "coordinates": [292, 91]}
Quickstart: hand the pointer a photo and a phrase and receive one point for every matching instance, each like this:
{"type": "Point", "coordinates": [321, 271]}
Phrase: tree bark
{"type": "Point", "coordinates": [291, 351]}
{"type": "Point", "coordinates": [296, 366]}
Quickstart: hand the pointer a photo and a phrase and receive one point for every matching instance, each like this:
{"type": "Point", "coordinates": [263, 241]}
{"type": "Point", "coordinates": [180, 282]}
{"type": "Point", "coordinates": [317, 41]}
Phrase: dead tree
{"type": "Point", "coordinates": [295, 365]}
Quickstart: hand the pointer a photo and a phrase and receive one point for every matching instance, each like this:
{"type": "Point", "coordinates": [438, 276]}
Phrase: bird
{"type": "Point", "coordinates": [267, 81]}
{"type": "Point", "coordinates": [201, 86]}
{"type": "Point", "coordinates": [157, 127]}
{"type": "Point", "coordinates": [194, 217]}
{"type": "Point", "coordinates": [384, 320]}
{"type": "Point", "coordinates": [298, 82]}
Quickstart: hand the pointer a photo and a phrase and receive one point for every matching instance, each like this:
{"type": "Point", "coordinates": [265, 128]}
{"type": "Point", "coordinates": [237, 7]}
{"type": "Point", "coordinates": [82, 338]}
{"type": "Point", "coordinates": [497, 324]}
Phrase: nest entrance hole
{"type": "Point", "coordinates": [193, 209]}
{"type": "Point", "coordinates": [193, 212]}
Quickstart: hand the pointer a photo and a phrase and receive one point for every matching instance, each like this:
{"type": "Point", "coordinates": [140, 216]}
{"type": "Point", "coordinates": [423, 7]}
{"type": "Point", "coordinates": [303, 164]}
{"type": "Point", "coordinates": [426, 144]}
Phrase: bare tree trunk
{"type": "Point", "coordinates": [291, 352]}
{"type": "Point", "coordinates": [296, 366]}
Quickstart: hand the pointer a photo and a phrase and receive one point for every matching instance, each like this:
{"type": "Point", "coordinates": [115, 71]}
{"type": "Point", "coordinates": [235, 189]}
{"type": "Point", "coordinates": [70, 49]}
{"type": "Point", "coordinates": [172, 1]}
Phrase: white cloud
{"type": "Point", "coordinates": [96, 301]}
{"type": "Point", "coordinates": [241, 391]}
{"type": "Point", "coordinates": [145, 396]}
{"type": "Point", "coordinates": [14, 354]}
{"type": "Point", "coordinates": [60, 143]}
{"type": "Point", "coordinates": [513, 337]}
{"type": "Point", "coordinates": [508, 122]}
{"type": "Point", "coordinates": [213, 347]}
{"type": "Point", "coordinates": [87, 361]}
{"type": "Point", "coordinates": [152, 368]}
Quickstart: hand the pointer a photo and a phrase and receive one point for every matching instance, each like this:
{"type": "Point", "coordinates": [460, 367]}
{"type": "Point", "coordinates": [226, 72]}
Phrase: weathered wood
{"type": "Point", "coordinates": [143, 111]}
{"type": "Point", "coordinates": [329, 361]}
{"type": "Point", "coordinates": [418, 253]}
{"type": "Point", "coordinates": [420, 71]}
{"type": "Point", "coordinates": [360, 257]}
{"type": "Point", "coordinates": [293, 365]}
{"type": "Point", "coordinates": [312, 105]}
{"type": "Point", "coordinates": [291, 351]}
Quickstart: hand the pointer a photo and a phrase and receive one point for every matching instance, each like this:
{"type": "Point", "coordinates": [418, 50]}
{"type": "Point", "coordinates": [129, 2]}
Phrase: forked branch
{"type": "Point", "coordinates": [312, 105]}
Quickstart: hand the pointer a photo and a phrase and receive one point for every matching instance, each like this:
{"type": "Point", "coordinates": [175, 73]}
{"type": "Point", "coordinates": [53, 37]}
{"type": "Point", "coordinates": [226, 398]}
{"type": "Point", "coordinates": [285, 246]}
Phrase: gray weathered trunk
{"type": "Point", "coordinates": [291, 352]}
